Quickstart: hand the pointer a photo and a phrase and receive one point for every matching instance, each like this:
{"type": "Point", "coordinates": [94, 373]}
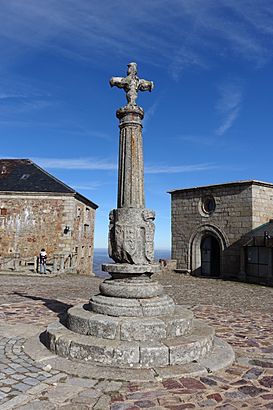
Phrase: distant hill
{"type": "Point", "coordinates": [101, 256]}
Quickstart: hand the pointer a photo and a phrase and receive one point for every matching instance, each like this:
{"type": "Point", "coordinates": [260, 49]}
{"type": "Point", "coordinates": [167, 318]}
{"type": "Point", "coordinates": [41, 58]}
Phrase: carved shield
{"type": "Point", "coordinates": [130, 239]}
{"type": "Point", "coordinates": [149, 243]}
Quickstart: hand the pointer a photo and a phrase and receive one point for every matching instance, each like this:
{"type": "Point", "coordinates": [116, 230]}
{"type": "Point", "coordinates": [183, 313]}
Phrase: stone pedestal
{"type": "Point", "coordinates": [132, 323]}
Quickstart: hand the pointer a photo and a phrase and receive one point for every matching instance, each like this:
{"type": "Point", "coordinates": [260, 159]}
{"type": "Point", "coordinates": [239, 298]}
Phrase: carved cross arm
{"type": "Point", "coordinates": [145, 85]}
{"type": "Point", "coordinates": [118, 82]}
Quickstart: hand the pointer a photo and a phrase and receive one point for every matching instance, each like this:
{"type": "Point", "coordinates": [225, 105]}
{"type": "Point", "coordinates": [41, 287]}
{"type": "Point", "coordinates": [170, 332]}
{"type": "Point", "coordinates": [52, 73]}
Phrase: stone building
{"type": "Point", "coordinates": [213, 229]}
{"type": "Point", "coordinates": [39, 211]}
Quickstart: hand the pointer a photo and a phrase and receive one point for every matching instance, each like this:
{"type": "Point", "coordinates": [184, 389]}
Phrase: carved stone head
{"type": "Point", "coordinates": [132, 69]}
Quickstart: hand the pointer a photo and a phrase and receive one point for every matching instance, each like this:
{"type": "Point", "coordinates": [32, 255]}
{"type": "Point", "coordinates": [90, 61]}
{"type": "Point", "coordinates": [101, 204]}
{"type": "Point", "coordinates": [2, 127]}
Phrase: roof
{"type": "Point", "coordinates": [23, 175]}
{"type": "Point", "coordinates": [228, 184]}
{"type": "Point", "coordinates": [260, 236]}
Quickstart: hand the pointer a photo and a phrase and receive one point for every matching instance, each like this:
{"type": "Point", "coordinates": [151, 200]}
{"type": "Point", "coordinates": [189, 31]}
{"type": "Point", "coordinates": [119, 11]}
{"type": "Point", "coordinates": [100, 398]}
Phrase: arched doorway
{"type": "Point", "coordinates": [210, 256]}
{"type": "Point", "coordinates": [218, 247]}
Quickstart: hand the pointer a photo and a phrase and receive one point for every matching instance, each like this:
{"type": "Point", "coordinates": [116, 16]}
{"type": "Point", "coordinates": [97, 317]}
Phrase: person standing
{"type": "Point", "coordinates": [42, 260]}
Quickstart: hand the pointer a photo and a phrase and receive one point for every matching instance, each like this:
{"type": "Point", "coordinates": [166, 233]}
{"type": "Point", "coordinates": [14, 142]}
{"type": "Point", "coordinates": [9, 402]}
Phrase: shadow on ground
{"type": "Point", "coordinates": [52, 304]}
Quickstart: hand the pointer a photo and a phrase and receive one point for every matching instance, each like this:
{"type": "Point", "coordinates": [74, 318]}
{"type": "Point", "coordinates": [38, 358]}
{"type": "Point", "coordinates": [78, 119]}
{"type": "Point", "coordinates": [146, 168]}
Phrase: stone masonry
{"type": "Point", "coordinates": [240, 207]}
{"type": "Point", "coordinates": [62, 223]}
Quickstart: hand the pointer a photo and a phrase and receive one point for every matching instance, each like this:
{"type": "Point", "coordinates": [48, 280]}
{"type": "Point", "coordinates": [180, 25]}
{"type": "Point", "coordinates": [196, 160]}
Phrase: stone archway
{"type": "Point", "coordinates": [195, 249]}
{"type": "Point", "coordinates": [210, 256]}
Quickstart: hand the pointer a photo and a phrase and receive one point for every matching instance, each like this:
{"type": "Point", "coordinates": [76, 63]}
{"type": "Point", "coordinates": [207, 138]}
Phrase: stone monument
{"type": "Point", "coordinates": [131, 323]}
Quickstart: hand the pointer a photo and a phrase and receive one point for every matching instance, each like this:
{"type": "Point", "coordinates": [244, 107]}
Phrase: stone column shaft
{"type": "Point", "coordinates": [131, 174]}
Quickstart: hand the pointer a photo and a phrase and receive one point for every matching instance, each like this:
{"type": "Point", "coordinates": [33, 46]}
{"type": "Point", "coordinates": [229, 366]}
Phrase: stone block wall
{"type": "Point", "coordinates": [262, 204]}
{"type": "Point", "coordinates": [61, 224]}
{"type": "Point", "coordinates": [231, 219]}
{"type": "Point", "coordinates": [239, 208]}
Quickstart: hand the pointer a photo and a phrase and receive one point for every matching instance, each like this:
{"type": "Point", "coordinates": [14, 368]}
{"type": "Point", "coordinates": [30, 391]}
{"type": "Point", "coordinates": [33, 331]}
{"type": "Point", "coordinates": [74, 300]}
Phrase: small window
{"type": "Point", "coordinates": [86, 228]}
{"type": "Point", "coordinates": [25, 176]}
{"type": "Point", "coordinates": [4, 170]}
{"type": "Point", "coordinates": [3, 211]}
{"type": "Point", "coordinates": [208, 205]}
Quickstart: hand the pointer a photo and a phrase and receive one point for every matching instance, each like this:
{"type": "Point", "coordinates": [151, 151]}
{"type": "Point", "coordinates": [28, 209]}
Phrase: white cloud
{"type": "Point", "coordinates": [228, 106]}
{"type": "Point", "coordinates": [87, 187]}
{"type": "Point", "coordinates": [175, 33]}
{"type": "Point", "coordinates": [175, 169]}
{"type": "Point", "coordinates": [228, 122]}
{"type": "Point", "coordinates": [94, 164]}
{"type": "Point", "coordinates": [149, 113]}
{"type": "Point", "coordinates": [183, 59]}
{"type": "Point", "coordinates": [76, 163]}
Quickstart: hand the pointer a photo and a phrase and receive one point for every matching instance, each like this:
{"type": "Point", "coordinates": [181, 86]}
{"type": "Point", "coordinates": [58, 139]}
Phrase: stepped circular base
{"type": "Point", "coordinates": [220, 356]}
{"type": "Point", "coordinates": [134, 288]}
{"type": "Point", "coordinates": [114, 306]}
{"type": "Point", "coordinates": [131, 354]}
{"type": "Point", "coordinates": [84, 321]}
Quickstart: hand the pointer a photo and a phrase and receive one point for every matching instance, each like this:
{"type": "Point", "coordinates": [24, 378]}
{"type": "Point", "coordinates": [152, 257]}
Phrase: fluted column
{"type": "Point", "coordinates": [131, 176]}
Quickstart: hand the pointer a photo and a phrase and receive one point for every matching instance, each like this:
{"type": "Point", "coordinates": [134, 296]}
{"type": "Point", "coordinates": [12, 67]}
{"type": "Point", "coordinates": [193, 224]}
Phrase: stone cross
{"type": "Point", "coordinates": [131, 229]}
{"type": "Point", "coordinates": [131, 323]}
{"type": "Point", "coordinates": [131, 84]}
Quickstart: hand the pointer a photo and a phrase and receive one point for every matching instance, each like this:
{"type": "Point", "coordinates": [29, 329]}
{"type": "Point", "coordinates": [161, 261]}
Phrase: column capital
{"type": "Point", "coordinates": [130, 115]}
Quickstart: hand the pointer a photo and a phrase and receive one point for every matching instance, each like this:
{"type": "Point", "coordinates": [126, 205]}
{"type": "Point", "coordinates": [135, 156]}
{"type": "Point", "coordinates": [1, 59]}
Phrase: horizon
{"type": "Point", "coordinates": [207, 121]}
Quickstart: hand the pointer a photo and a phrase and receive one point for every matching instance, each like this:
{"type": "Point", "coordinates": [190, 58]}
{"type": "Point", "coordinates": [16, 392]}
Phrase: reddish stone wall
{"type": "Point", "coordinates": [31, 222]}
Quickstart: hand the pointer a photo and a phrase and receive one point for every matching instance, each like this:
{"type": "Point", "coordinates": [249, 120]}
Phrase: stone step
{"type": "Point", "coordinates": [133, 288]}
{"type": "Point", "coordinates": [115, 306]}
{"type": "Point", "coordinates": [133, 354]}
{"type": "Point", "coordinates": [84, 321]}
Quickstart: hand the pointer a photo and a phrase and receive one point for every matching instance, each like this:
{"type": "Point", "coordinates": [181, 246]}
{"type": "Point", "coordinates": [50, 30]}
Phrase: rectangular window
{"type": "Point", "coordinates": [86, 228]}
{"type": "Point", "coordinates": [3, 211]}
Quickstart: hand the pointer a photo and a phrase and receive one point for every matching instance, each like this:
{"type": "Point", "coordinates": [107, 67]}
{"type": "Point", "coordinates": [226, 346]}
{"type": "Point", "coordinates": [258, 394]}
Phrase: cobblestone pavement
{"type": "Point", "coordinates": [241, 314]}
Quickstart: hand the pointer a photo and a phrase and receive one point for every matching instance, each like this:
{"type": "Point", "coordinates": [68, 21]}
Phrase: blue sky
{"type": "Point", "coordinates": [208, 119]}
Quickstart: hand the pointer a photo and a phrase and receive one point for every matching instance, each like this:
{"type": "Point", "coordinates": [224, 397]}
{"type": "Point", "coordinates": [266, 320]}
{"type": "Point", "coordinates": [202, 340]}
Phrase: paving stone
{"type": "Point", "coordinates": [38, 405]}
{"type": "Point", "coordinates": [9, 381]}
{"type": "Point", "coordinates": [124, 406]}
{"type": "Point", "coordinates": [90, 393]}
{"type": "Point", "coordinates": [5, 389]}
{"type": "Point", "coordinates": [251, 391]}
{"type": "Point", "coordinates": [144, 404]}
{"type": "Point", "coordinates": [152, 394]}
{"type": "Point", "coordinates": [190, 383]}
{"type": "Point", "coordinates": [267, 381]}
{"type": "Point", "coordinates": [112, 386]}
{"type": "Point", "coordinates": [21, 387]}
{"type": "Point", "coordinates": [242, 317]}
{"type": "Point", "coordinates": [208, 381]}
{"type": "Point", "coordinates": [30, 381]}
{"type": "Point", "coordinates": [61, 393]}
{"type": "Point", "coordinates": [103, 403]}
{"type": "Point", "coordinates": [78, 406]}
{"type": "Point", "coordinates": [268, 396]}
{"type": "Point", "coordinates": [171, 384]}
{"type": "Point", "coordinates": [85, 383]}
{"type": "Point", "coordinates": [215, 396]}
{"type": "Point", "coordinates": [80, 400]}
{"type": "Point", "coordinates": [9, 371]}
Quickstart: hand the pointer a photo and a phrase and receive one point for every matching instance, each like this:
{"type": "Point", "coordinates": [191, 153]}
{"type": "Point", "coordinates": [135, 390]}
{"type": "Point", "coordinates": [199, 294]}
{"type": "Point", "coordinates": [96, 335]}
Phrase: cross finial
{"type": "Point", "coordinates": [131, 84]}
